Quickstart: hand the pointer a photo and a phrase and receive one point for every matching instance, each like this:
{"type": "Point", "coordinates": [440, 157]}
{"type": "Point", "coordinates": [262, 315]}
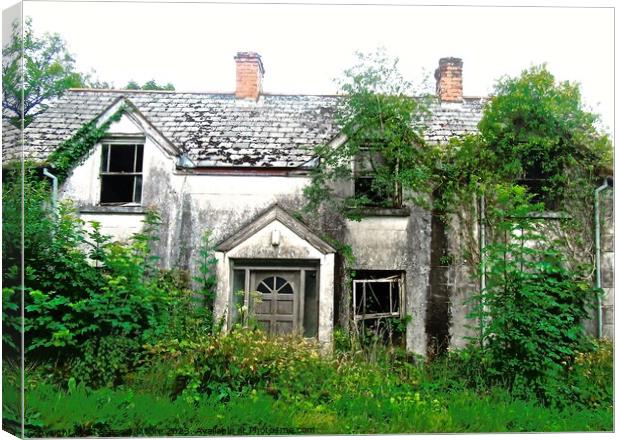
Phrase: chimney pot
{"type": "Point", "coordinates": [449, 76]}
{"type": "Point", "coordinates": [250, 73]}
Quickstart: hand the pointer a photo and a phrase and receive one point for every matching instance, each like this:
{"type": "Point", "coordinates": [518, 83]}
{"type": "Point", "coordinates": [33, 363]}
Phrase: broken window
{"type": "Point", "coordinates": [377, 294]}
{"type": "Point", "coordinates": [372, 180]}
{"type": "Point", "coordinates": [121, 173]}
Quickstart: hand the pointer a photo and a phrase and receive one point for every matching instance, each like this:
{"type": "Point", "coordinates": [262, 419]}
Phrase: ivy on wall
{"type": "Point", "coordinates": [74, 150]}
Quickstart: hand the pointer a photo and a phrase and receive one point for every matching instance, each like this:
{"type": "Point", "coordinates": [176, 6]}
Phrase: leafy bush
{"type": "Point", "coordinates": [590, 379]}
{"type": "Point", "coordinates": [89, 302]}
{"type": "Point", "coordinates": [105, 360]}
{"type": "Point", "coordinates": [533, 306]}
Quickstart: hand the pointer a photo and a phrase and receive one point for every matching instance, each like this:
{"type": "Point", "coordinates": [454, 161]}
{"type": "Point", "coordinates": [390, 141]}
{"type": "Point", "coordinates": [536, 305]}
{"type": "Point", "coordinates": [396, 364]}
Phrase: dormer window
{"type": "Point", "coordinates": [121, 173]}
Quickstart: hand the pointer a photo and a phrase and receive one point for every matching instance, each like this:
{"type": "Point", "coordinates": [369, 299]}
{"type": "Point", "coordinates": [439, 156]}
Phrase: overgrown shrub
{"type": "Point", "coordinates": [86, 297]}
{"type": "Point", "coordinates": [590, 379]}
{"type": "Point", "coordinates": [105, 360]}
{"type": "Point", "coordinates": [238, 362]}
{"type": "Point", "coordinates": [533, 306]}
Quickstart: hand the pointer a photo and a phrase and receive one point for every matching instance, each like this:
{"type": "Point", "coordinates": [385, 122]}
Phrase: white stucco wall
{"type": "Point", "coordinates": [398, 244]}
{"type": "Point", "coordinates": [119, 226]}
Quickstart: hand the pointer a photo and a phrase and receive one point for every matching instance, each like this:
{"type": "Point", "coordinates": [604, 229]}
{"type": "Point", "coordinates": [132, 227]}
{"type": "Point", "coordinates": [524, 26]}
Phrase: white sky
{"type": "Point", "coordinates": [304, 47]}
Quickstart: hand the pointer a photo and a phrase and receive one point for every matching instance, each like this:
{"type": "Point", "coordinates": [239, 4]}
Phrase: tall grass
{"type": "Point", "coordinates": [246, 383]}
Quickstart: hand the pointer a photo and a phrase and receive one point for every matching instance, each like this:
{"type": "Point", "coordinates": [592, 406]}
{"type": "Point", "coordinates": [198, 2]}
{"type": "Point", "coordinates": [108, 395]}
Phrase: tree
{"type": "Point", "coordinates": [48, 70]}
{"type": "Point", "coordinates": [382, 123]}
{"type": "Point", "coordinates": [534, 132]}
{"type": "Point", "coordinates": [149, 85]}
{"type": "Point", "coordinates": [540, 134]}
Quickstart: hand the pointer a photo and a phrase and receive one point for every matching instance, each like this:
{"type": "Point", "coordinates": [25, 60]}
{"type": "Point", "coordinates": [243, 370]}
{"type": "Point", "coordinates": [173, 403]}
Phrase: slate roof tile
{"type": "Point", "coordinates": [278, 130]}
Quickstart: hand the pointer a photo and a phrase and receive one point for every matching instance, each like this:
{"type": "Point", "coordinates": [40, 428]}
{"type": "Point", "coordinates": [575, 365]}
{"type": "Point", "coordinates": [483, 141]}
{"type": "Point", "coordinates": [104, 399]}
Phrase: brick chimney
{"type": "Point", "coordinates": [250, 73]}
{"type": "Point", "coordinates": [449, 76]}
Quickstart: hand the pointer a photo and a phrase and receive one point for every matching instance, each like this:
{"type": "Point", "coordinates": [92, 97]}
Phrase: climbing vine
{"type": "Point", "coordinates": [75, 149]}
{"type": "Point", "coordinates": [534, 133]}
{"type": "Point", "coordinates": [383, 126]}
{"type": "Point", "coordinates": [535, 140]}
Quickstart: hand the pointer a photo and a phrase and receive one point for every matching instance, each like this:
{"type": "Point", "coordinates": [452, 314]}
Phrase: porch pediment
{"type": "Point", "coordinates": [275, 234]}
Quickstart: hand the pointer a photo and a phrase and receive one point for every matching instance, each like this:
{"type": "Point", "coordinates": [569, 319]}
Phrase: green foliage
{"type": "Point", "coordinates": [206, 280]}
{"type": "Point", "coordinates": [87, 299]}
{"type": "Point", "coordinates": [149, 85]}
{"type": "Point", "coordinates": [235, 363]}
{"type": "Point", "coordinates": [535, 132]}
{"type": "Point", "coordinates": [249, 384]}
{"type": "Point", "coordinates": [590, 379]}
{"type": "Point", "coordinates": [382, 124]}
{"type": "Point", "coordinates": [532, 307]}
{"type": "Point", "coordinates": [105, 360]}
{"type": "Point", "coordinates": [48, 70]}
{"type": "Point", "coordinates": [537, 127]}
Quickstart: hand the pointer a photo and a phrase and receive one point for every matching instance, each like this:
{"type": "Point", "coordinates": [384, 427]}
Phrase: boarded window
{"type": "Point", "coordinates": [377, 294]}
{"type": "Point", "coordinates": [121, 173]}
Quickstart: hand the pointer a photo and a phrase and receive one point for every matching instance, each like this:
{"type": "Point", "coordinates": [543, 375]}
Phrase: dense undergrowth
{"type": "Point", "coordinates": [246, 383]}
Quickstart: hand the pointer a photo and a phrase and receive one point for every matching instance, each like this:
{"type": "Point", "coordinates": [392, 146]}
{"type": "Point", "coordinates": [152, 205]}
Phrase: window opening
{"type": "Point", "coordinates": [377, 295]}
{"type": "Point", "coordinates": [368, 166]}
{"type": "Point", "coordinates": [536, 181]}
{"type": "Point", "coordinates": [378, 298]}
{"type": "Point", "coordinates": [121, 173]}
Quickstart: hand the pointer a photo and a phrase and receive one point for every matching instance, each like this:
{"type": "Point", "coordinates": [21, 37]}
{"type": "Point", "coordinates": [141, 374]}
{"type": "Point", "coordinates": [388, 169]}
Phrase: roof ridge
{"type": "Point", "coordinates": [179, 92]}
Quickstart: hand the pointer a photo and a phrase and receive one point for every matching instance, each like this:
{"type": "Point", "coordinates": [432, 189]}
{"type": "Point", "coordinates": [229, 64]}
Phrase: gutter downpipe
{"type": "Point", "coordinates": [54, 191]}
{"type": "Point", "coordinates": [597, 241]}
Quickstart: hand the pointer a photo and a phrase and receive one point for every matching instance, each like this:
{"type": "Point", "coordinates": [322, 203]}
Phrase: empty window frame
{"type": "Point", "coordinates": [537, 182]}
{"type": "Point", "coordinates": [121, 173]}
{"type": "Point", "coordinates": [377, 294]}
{"type": "Point", "coordinates": [367, 165]}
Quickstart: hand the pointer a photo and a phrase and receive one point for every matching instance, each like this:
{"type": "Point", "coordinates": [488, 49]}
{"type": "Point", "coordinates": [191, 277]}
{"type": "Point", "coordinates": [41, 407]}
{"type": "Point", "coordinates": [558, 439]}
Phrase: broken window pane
{"type": "Point", "coordinates": [537, 182]}
{"type": "Point", "coordinates": [368, 164]}
{"type": "Point", "coordinates": [377, 294]}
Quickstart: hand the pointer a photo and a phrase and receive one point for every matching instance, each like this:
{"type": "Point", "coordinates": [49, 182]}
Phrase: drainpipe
{"type": "Point", "coordinates": [54, 191]}
{"type": "Point", "coordinates": [597, 240]}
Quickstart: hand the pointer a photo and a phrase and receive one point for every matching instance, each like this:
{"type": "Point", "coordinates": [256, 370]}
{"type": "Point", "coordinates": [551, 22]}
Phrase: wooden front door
{"type": "Point", "coordinates": [277, 310]}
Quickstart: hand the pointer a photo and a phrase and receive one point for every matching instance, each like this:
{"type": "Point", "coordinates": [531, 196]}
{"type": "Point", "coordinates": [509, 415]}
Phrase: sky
{"type": "Point", "coordinates": [305, 47]}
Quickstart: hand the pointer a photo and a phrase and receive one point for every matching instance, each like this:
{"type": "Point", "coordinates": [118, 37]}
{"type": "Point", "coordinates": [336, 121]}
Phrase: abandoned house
{"type": "Point", "coordinates": [236, 164]}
